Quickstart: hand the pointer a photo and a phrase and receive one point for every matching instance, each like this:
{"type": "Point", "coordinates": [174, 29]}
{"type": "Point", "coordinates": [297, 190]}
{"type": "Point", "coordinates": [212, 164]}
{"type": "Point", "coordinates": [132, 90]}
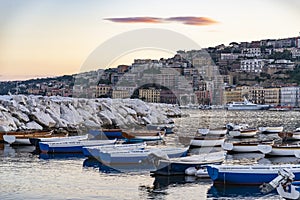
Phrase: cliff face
{"type": "Point", "coordinates": [19, 112]}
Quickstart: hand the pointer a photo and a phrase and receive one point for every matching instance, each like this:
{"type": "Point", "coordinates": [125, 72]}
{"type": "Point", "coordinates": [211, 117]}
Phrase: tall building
{"type": "Point", "coordinates": [289, 96]}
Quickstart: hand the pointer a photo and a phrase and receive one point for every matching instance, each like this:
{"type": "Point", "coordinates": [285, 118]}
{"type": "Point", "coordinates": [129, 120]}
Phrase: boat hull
{"type": "Point", "coordinates": [207, 142]}
{"type": "Point", "coordinates": [70, 147]}
{"type": "Point", "coordinates": [240, 148]}
{"type": "Point", "coordinates": [242, 133]}
{"type": "Point", "coordinates": [137, 156]}
{"type": "Point", "coordinates": [247, 176]}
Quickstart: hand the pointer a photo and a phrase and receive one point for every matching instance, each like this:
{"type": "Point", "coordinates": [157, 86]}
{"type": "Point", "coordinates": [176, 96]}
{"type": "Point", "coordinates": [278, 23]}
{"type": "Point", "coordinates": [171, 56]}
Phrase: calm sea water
{"type": "Point", "coordinates": [24, 175]}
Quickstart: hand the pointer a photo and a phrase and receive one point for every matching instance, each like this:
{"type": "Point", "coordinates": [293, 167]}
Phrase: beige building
{"type": "Point", "coordinates": [150, 95]}
{"type": "Point", "coordinates": [120, 94]}
{"type": "Point", "coordinates": [272, 96]}
{"type": "Point", "coordinates": [257, 95]}
{"type": "Point", "coordinates": [232, 96]}
{"type": "Point", "coordinates": [103, 90]}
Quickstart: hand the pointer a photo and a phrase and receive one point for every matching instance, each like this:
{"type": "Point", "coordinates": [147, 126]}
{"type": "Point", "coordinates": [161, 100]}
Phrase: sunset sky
{"type": "Point", "coordinates": [55, 37]}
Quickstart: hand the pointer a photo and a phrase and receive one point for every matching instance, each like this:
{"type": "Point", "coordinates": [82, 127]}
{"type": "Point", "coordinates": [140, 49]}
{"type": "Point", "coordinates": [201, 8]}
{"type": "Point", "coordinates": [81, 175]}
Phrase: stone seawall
{"type": "Point", "coordinates": [20, 112]}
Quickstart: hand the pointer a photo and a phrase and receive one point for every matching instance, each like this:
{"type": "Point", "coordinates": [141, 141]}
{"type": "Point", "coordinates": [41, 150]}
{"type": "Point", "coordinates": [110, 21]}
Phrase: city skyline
{"type": "Point", "coordinates": [52, 38]}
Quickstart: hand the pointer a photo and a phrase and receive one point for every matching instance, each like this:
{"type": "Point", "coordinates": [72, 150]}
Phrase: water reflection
{"type": "Point", "coordinates": [46, 156]}
{"type": "Point", "coordinates": [238, 192]}
{"type": "Point", "coordinates": [118, 168]}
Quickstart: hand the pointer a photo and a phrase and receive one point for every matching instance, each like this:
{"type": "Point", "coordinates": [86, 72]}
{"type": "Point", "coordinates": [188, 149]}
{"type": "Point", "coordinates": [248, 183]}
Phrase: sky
{"type": "Point", "coordinates": [56, 37]}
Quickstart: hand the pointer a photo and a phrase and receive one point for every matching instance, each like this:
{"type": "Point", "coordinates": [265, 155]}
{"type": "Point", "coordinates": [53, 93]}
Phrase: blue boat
{"type": "Point", "coordinates": [178, 166]}
{"type": "Point", "coordinates": [71, 146]}
{"type": "Point", "coordinates": [107, 133]}
{"type": "Point", "coordinates": [138, 155]}
{"type": "Point", "coordinates": [93, 150]}
{"type": "Point", "coordinates": [248, 174]}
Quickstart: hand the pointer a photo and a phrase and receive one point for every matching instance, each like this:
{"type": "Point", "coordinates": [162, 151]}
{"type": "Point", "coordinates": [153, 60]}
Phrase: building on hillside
{"type": "Point", "coordinates": [103, 90]}
{"type": "Point", "coordinates": [257, 95]}
{"type": "Point", "coordinates": [120, 94]}
{"type": "Point", "coordinates": [232, 95]}
{"type": "Point", "coordinates": [150, 95]}
{"type": "Point", "coordinates": [289, 96]}
{"type": "Point", "coordinates": [251, 52]}
{"type": "Point", "coordinates": [272, 96]}
{"type": "Point", "coordinates": [252, 65]}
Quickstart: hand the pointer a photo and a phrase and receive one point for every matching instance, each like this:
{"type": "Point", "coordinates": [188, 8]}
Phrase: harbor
{"type": "Point", "coordinates": [72, 175]}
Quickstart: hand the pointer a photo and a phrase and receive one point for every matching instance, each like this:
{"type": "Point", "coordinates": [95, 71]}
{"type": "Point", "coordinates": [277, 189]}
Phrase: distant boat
{"type": "Point", "coordinates": [35, 141]}
{"type": "Point", "coordinates": [243, 147]}
{"type": "Point", "coordinates": [268, 129]}
{"type": "Point", "coordinates": [168, 128]}
{"type": "Point", "coordinates": [71, 146]}
{"type": "Point", "coordinates": [142, 136]}
{"type": "Point", "coordinates": [248, 174]}
{"type": "Point", "coordinates": [279, 149]}
{"type": "Point", "coordinates": [207, 141]}
{"type": "Point", "coordinates": [107, 133]}
{"type": "Point", "coordinates": [24, 133]}
{"type": "Point", "coordinates": [243, 133]}
{"type": "Point", "coordinates": [246, 105]}
{"type": "Point", "coordinates": [24, 139]}
{"type": "Point", "coordinates": [137, 156]}
{"type": "Point", "coordinates": [212, 132]}
{"type": "Point", "coordinates": [178, 166]}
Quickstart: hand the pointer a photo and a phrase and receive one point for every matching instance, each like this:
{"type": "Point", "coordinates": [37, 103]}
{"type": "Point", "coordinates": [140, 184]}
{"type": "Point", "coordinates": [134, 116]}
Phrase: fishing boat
{"type": "Point", "coordinates": [167, 128]}
{"type": "Point", "coordinates": [35, 141]}
{"type": "Point", "coordinates": [93, 150]}
{"type": "Point", "coordinates": [207, 141]}
{"type": "Point", "coordinates": [23, 139]}
{"type": "Point", "coordinates": [246, 105]}
{"type": "Point", "coordinates": [142, 136]}
{"type": "Point", "coordinates": [279, 149]}
{"type": "Point", "coordinates": [138, 155]}
{"type": "Point", "coordinates": [248, 174]}
{"type": "Point", "coordinates": [177, 166]}
{"type": "Point", "coordinates": [268, 130]}
{"type": "Point", "coordinates": [245, 146]}
{"type": "Point", "coordinates": [243, 133]}
{"type": "Point", "coordinates": [71, 146]}
{"type": "Point", "coordinates": [212, 132]}
{"type": "Point", "coordinates": [21, 133]}
{"type": "Point", "coordinates": [107, 133]}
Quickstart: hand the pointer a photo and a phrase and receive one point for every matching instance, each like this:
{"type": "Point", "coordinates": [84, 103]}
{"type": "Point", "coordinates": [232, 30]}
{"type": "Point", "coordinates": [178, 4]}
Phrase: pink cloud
{"type": "Point", "coordinates": [196, 21]}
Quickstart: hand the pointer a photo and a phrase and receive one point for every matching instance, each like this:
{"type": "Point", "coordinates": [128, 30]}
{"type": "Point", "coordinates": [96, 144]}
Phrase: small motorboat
{"type": "Point", "coordinates": [178, 166]}
{"type": "Point", "coordinates": [138, 155]}
{"type": "Point", "coordinates": [205, 141]}
{"type": "Point", "coordinates": [246, 146]}
{"type": "Point", "coordinates": [24, 139]}
{"type": "Point", "coordinates": [71, 146]}
{"type": "Point", "coordinates": [279, 149]}
{"type": "Point", "coordinates": [243, 133]}
{"type": "Point", "coordinates": [218, 132]}
{"type": "Point", "coordinates": [94, 150]}
{"type": "Point", "coordinates": [270, 130]}
{"type": "Point", "coordinates": [35, 141]}
{"type": "Point", "coordinates": [142, 136]}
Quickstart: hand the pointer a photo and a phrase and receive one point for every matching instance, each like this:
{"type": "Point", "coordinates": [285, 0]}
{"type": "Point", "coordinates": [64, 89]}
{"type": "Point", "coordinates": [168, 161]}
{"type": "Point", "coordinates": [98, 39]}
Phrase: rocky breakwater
{"type": "Point", "coordinates": [20, 112]}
